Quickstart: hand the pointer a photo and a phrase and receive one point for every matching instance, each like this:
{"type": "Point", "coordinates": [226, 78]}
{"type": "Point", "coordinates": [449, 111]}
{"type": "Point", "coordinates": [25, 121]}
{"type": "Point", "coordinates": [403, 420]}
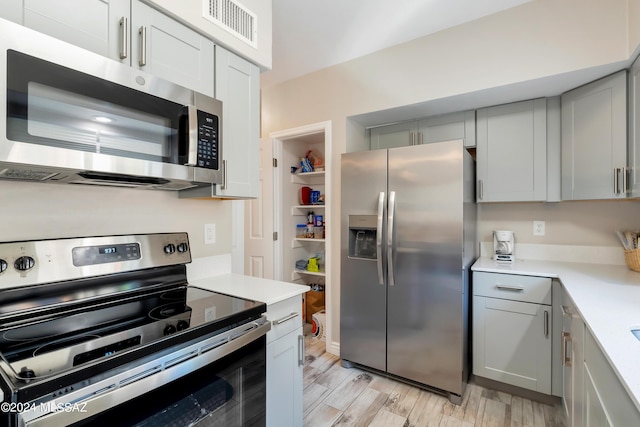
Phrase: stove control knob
{"type": "Point", "coordinates": [26, 373]}
{"type": "Point", "coordinates": [169, 329]}
{"type": "Point", "coordinates": [182, 325]}
{"type": "Point", "coordinates": [3, 265]}
{"type": "Point", "coordinates": [24, 263]}
{"type": "Point", "coordinates": [169, 249]}
{"type": "Point", "coordinates": [182, 247]}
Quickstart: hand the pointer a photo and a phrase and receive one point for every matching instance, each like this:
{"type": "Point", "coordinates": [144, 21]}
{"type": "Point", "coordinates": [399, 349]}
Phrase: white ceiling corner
{"type": "Point", "coordinates": [309, 35]}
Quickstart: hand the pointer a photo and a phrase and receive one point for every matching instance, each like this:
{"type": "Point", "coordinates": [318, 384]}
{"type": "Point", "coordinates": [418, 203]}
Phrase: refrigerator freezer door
{"type": "Point", "coordinates": [362, 296]}
{"type": "Point", "coordinates": [425, 305]}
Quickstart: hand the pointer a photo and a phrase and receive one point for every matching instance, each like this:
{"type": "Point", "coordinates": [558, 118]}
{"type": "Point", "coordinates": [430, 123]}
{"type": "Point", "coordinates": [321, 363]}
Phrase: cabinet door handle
{"type": "Point", "coordinates": [546, 324]}
{"type": "Point", "coordinates": [566, 357]}
{"type": "Point", "coordinates": [625, 180]}
{"type": "Point", "coordinates": [124, 42]}
{"type": "Point", "coordinates": [480, 190]}
{"type": "Point", "coordinates": [616, 186]}
{"type": "Point", "coordinates": [143, 46]}
{"type": "Point", "coordinates": [510, 288]}
{"type": "Point", "coordinates": [300, 350]}
{"type": "Point", "coordinates": [223, 186]}
{"type": "Point", "coordinates": [285, 318]}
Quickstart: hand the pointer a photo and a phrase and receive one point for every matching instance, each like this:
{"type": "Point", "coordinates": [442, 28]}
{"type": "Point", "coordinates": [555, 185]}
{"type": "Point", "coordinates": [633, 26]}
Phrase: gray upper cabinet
{"type": "Point", "coordinates": [634, 129]}
{"type": "Point", "coordinates": [511, 152]}
{"type": "Point", "coordinates": [91, 24]}
{"type": "Point", "coordinates": [168, 49]}
{"type": "Point", "coordinates": [128, 31]}
{"type": "Point", "coordinates": [445, 127]}
{"type": "Point", "coordinates": [238, 87]}
{"type": "Point", "coordinates": [396, 135]}
{"type": "Point", "coordinates": [594, 140]}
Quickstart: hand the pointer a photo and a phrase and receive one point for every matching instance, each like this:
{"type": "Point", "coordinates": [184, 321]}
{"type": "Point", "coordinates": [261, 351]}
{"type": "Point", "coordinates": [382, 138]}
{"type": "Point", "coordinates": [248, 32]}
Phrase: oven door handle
{"type": "Point", "coordinates": [115, 391]}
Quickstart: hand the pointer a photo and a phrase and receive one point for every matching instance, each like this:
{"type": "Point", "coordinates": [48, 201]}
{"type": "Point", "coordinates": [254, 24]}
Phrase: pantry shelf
{"type": "Point", "coordinates": [309, 273]}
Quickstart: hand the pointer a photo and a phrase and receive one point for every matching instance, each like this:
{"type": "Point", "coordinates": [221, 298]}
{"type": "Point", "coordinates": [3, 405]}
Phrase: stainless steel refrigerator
{"type": "Point", "coordinates": [408, 240]}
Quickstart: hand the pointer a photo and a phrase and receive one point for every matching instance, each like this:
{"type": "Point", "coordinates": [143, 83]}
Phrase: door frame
{"type": "Point", "coordinates": [280, 174]}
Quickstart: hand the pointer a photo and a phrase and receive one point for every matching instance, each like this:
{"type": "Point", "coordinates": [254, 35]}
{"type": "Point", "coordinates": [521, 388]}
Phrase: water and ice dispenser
{"type": "Point", "coordinates": [362, 236]}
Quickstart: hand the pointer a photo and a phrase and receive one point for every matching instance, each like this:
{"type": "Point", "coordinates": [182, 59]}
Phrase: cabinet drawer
{"type": "Point", "coordinates": [513, 287]}
{"type": "Point", "coordinates": [285, 316]}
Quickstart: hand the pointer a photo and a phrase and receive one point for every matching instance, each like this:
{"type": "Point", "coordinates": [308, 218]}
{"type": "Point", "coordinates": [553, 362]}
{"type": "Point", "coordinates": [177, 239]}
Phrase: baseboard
{"type": "Point", "coordinates": [518, 391]}
{"type": "Point", "coordinates": [334, 348]}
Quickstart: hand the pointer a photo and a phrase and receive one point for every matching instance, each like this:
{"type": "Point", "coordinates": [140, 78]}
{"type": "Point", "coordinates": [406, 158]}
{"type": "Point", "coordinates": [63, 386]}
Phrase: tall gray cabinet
{"type": "Point", "coordinates": [634, 129]}
{"type": "Point", "coordinates": [594, 140]}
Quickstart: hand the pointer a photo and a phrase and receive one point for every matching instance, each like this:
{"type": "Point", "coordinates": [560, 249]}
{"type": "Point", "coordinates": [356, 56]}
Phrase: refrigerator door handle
{"type": "Point", "coordinates": [390, 228]}
{"type": "Point", "coordinates": [379, 238]}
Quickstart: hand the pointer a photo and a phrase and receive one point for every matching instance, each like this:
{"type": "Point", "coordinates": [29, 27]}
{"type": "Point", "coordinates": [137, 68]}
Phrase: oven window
{"type": "Point", "coordinates": [229, 392]}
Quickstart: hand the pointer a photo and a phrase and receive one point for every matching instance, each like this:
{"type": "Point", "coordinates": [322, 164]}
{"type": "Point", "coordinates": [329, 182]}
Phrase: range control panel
{"type": "Point", "coordinates": [45, 261]}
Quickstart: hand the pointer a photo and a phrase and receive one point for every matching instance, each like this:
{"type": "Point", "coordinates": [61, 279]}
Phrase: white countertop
{"type": "Point", "coordinates": [608, 299]}
{"type": "Point", "coordinates": [249, 287]}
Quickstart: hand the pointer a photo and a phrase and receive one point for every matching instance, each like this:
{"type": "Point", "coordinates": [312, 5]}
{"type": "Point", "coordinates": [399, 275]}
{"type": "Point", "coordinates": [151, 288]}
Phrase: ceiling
{"type": "Point", "coordinates": [311, 35]}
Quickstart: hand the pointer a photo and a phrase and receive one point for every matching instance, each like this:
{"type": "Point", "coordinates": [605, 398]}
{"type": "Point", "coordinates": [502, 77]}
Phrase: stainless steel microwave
{"type": "Point", "coordinates": [72, 116]}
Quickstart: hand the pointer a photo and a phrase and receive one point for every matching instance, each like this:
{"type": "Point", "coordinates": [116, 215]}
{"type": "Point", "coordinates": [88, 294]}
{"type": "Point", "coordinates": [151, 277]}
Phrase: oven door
{"type": "Point", "coordinates": [229, 392]}
{"type": "Point", "coordinates": [228, 388]}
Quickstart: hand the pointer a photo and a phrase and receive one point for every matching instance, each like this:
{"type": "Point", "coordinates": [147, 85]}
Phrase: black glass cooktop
{"type": "Point", "coordinates": [55, 340]}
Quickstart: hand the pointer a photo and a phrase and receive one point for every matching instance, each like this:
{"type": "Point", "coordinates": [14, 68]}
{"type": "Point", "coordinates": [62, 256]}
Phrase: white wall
{"type": "Point", "coordinates": [534, 49]}
{"type": "Point", "coordinates": [41, 211]}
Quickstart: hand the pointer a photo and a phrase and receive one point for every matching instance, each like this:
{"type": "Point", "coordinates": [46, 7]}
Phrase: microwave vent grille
{"type": "Point", "coordinates": [234, 18]}
{"type": "Point", "coordinates": [27, 174]}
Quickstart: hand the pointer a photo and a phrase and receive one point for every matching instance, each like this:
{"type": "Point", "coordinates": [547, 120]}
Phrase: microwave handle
{"type": "Point", "coordinates": [192, 135]}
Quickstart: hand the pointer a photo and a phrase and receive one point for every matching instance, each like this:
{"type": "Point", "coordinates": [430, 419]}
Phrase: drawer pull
{"type": "Point", "coordinates": [510, 288]}
{"type": "Point", "coordinates": [546, 324]}
{"type": "Point", "coordinates": [285, 318]}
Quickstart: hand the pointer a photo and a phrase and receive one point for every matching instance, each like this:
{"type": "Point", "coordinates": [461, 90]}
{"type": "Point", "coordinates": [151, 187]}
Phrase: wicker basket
{"type": "Point", "coordinates": [632, 259]}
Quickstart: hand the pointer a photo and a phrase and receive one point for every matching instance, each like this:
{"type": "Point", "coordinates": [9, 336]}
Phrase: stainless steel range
{"type": "Point", "coordinates": [108, 330]}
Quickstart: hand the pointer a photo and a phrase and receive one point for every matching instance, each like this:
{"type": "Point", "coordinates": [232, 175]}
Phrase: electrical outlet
{"type": "Point", "coordinates": [538, 228]}
{"type": "Point", "coordinates": [209, 234]}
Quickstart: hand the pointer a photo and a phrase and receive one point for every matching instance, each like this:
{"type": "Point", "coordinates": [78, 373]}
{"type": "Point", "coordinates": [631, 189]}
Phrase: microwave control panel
{"type": "Point", "coordinates": [208, 140]}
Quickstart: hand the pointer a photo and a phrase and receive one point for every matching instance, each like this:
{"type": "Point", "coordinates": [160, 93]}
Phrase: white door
{"type": "Point", "coordinates": [259, 227]}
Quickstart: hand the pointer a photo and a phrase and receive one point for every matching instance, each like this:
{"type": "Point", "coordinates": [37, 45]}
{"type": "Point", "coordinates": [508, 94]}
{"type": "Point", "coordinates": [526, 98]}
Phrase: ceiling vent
{"type": "Point", "coordinates": [233, 17]}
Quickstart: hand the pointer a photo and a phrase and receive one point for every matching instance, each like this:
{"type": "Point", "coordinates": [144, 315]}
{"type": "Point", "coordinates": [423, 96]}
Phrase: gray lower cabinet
{"type": "Point", "coordinates": [511, 152]}
{"type": "Point", "coordinates": [285, 363]}
{"type": "Point", "coordinates": [128, 31]}
{"type": "Point", "coordinates": [592, 393]}
{"type": "Point", "coordinates": [446, 127]}
{"type": "Point", "coordinates": [594, 140]}
{"type": "Point", "coordinates": [606, 402]}
{"type": "Point", "coordinates": [512, 330]}
{"type": "Point", "coordinates": [572, 349]}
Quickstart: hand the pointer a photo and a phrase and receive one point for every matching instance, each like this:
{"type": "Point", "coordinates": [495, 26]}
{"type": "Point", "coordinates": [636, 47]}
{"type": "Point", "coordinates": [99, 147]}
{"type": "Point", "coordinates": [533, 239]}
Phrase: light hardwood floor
{"type": "Point", "coordinates": [336, 396]}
